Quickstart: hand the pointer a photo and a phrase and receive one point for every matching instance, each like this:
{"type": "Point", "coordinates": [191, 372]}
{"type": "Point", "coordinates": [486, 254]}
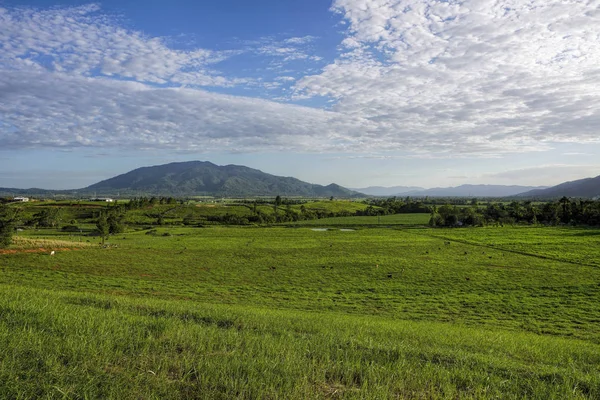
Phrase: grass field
{"type": "Point", "coordinates": [224, 312]}
{"type": "Point", "coordinates": [394, 219]}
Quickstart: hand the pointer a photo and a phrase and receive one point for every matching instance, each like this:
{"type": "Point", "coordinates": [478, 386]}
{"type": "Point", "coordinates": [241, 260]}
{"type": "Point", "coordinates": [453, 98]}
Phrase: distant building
{"type": "Point", "coordinates": [21, 199]}
{"type": "Point", "coordinates": [106, 199]}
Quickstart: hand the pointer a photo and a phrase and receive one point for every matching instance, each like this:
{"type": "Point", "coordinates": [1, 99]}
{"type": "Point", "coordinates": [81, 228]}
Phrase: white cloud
{"type": "Point", "coordinates": [496, 75]}
{"type": "Point", "coordinates": [288, 50]}
{"type": "Point", "coordinates": [300, 40]}
{"type": "Point", "coordinates": [425, 78]}
{"type": "Point", "coordinates": [81, 41]}
{"type": "Point", "coordinates": [56, 110]}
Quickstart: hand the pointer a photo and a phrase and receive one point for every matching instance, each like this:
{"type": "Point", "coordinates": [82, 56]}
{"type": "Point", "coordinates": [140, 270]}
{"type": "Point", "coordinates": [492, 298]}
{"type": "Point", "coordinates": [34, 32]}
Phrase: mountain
{"type": "Point", "coordinates": [474, 191]}
{"type": "Point", "coordinates": [588, 188]}
{"type": "Point", "coordinates": [387, 191]}
{"type": "Point", "coordinates": [205, 178]}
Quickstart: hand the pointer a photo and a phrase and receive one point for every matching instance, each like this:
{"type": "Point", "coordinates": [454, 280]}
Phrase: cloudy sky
{"type": "Point", "coordinates": [357, 92]}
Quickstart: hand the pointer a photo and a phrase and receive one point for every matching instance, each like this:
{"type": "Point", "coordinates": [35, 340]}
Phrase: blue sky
{"type": "Point", "coordinates": [383, 92]}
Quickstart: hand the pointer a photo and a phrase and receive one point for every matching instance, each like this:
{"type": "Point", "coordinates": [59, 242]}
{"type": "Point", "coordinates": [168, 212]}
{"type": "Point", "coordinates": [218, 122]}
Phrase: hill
{"type": "Point", "coordinates": [586, 188]}
{"type": "Point", "coordinates": [205, 178]}
{"type": "Point", "coordinates": [474, 191]}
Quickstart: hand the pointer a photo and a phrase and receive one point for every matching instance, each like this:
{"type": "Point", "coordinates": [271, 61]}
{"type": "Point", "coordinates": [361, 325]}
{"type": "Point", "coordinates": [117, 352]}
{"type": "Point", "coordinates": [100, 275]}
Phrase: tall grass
{"type": "Point", "coordinates": [20, 242]}
{"type": "Point", "coordinates": [286, 313]}
{"type": "Point", "coordinates": [72, 345]}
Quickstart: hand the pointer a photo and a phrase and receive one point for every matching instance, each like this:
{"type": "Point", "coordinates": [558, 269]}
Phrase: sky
{"type": "Point", "coordinates": [362, 93]}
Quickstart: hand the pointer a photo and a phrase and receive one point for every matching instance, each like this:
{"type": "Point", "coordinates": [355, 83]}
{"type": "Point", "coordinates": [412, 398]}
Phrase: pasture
{"type": "Point", "coordinates": [291, 312]}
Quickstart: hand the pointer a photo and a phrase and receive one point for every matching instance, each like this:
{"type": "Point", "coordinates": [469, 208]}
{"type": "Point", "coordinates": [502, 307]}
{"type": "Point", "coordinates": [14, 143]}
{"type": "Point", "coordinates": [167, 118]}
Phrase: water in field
{"type": "Point", "coordinates": [319, 229]}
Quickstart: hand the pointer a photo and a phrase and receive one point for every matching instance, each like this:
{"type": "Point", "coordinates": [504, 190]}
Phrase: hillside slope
{"type": "Point", "coordinates": [587, 188]}
{"type": "Point", "coordinates": [205, 178]}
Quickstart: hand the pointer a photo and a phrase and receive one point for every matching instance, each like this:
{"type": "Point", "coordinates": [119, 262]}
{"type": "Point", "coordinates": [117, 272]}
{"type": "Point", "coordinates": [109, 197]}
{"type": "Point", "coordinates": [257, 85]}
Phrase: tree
{"type": "Point", "coordinates": [48, 217]}
{"type": "Point", "coordinates": [109, 222]}
{"type": "Point", "coordinates": [6, 233]}
{"type": "Point", "coordinates": [115, 223]}
{"type": "Point", "coordinates": [566, 209]}
{"type": "Point", "coordinates": [7, 225]}
{"type": "Point", "coordinates": [103, 226]}
{"type": "Point", "coordinates": [448, 214]}
{"type": "Point", "coordinates": [433, 215]}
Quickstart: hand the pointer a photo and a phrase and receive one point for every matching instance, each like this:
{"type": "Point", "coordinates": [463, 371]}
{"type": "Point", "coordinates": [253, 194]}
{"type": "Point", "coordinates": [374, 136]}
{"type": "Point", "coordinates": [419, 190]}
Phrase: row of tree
{"type": "Point", "coordinates": [145, 202]}
{"type": "Point", "coordinates": [394, 205]}
{"type": "Point", "coordinates": [563, 211]}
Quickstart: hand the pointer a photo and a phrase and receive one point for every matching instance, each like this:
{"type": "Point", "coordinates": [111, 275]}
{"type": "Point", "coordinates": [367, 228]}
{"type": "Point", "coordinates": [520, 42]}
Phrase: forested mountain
{"type": "Point", "coordinates": [585, 188]}
{"type": "Point", "coordinates": [205, 178]}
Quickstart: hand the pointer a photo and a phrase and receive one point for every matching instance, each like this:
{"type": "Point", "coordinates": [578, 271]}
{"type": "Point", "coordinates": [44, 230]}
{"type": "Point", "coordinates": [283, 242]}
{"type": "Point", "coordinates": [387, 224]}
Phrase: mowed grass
{"type": "Point", "coordinates": [577, 245]}
{"type": "Point", "coordinates": [294, 313]}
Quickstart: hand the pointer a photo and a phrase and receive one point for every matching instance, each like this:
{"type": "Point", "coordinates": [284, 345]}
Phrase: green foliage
{"type": "Point", "coordinates": [110, 222]}
{"type": "Point", "coordinates": [6, 226]}
{"type": "Point", "coordinates": [70, 228]}
{"type": "Point", "coordinates": [103, 226]}
{"type": "Point", "coordinates": [48, 217]}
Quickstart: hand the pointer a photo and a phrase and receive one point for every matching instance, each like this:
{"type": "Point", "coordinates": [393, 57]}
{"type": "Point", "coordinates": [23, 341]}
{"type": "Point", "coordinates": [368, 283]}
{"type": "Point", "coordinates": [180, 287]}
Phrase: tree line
{"type": "Point", "coordinates": [563, 211]}
{"type": "Point", "coordinates": [111, 219]}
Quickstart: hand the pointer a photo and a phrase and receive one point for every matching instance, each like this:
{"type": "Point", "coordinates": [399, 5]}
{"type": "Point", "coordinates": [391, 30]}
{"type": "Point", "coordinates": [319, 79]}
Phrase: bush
{"type": "Point", "coordinates": [70, 228]}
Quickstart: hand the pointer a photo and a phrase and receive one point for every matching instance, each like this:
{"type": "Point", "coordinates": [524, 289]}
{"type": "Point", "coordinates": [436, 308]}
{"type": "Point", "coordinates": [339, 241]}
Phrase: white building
{"type": "Point", "coordinates": [21, 199]}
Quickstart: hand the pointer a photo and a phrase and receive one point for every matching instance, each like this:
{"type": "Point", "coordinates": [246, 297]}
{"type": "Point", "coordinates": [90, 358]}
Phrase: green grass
{"type": "Point", "coordinates": [395, 219]}
{"type": "Point", "coordinates": [226, 312]}
{"type": "Point", "coordinates": [72, 345]}
{"type": "Point", "coordinates": [334, 206]}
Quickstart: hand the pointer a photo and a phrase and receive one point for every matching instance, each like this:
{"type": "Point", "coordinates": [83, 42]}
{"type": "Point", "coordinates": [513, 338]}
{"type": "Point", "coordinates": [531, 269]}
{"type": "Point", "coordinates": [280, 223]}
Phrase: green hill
{"type": "Point", "coordinates": [196, 178]}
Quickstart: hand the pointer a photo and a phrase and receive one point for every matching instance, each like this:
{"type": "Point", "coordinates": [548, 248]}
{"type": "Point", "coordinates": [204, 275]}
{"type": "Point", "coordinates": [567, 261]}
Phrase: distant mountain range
{"type": "Point", "coordinates": [584, 188]}
{"type": "Point", "coordinates": [457, 191]}
{"type": "Point", "coordinates": [587, 188]}
{"type": "Point", "coordinates": [387, 191]}
{"type": "Point", "coordinates": [198, 178]}
{"type": "Point", "coordinates": [205, 178]}
{"type": "Point", "coordinates": [474, 191]}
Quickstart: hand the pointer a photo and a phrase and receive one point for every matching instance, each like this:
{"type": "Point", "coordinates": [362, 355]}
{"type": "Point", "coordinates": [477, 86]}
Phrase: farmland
{"type": "Point", "coordinates": [355, 307]}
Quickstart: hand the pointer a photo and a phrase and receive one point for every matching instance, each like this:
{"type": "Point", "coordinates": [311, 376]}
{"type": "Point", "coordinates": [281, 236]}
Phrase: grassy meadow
{"type": "Point", "coordinates": [344, 308]}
